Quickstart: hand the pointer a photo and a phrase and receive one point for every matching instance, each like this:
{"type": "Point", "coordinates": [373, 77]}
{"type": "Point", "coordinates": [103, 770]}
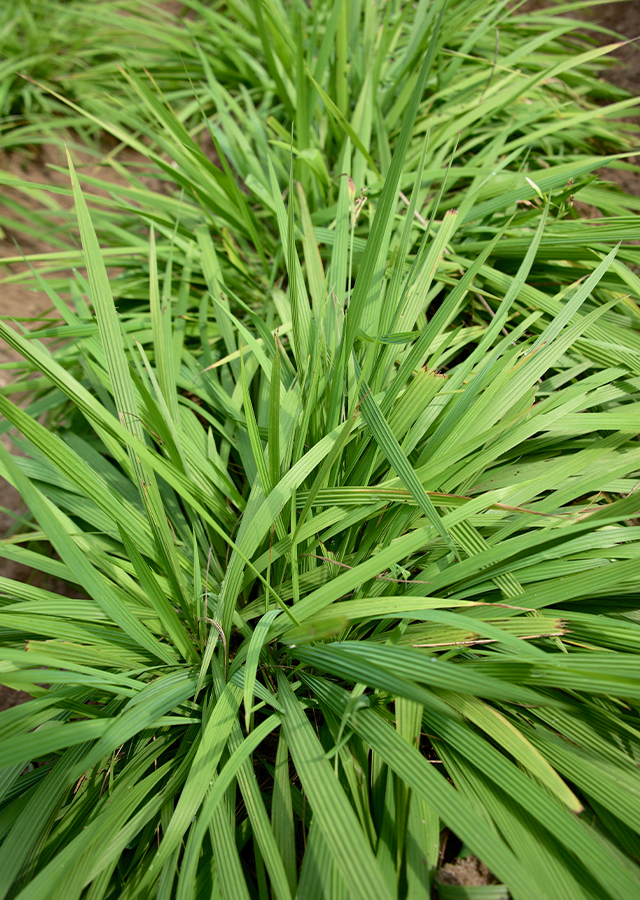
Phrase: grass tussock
{"type": "Point", "coordinates": [340, 465]}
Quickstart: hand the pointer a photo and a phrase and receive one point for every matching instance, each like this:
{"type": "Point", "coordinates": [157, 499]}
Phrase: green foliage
{"type": "Point", "coordinates": [344, 477]}
{"type": "Point", "coordinates": [76, 48]}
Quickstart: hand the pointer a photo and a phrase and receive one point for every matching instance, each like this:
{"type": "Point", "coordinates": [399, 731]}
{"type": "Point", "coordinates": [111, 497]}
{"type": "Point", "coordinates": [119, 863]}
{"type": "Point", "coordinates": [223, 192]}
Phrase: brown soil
{"type": "Point", "coordinates": [624, 19]}
{"type": "Point", "coordinates": [10, 698]}
{"type": "Point", "coordinates": [467, 871]}
{"type": "Point", "coordinates": [18, 300]}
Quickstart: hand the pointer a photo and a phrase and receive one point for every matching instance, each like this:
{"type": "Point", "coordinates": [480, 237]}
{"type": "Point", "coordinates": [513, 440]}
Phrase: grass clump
{"type": "Point", "coordinates": [345, 482]}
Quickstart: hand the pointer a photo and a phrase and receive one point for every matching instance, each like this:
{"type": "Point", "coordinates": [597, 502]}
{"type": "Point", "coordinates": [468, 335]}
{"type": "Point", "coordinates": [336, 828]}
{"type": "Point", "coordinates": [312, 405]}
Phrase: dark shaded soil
{"type": "Point", "coordinates": [623, 18]}
{"type": "Point", "coordinates": [9, 698]}
{"type": "Point", "coordinates": [467, 871]}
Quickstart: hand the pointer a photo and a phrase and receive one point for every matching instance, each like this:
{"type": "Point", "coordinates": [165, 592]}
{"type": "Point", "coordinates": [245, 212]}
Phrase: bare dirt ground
{"type": "Point", "coordinates": [18, 301]}
{"type": "Point", "coordinates": [623, 18]}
